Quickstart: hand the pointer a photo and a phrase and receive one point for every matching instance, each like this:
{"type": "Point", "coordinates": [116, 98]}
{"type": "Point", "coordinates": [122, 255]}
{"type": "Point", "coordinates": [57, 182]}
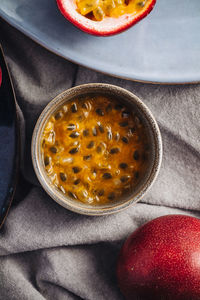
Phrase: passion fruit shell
{"type": "Point", "coordinates": [106, 27]}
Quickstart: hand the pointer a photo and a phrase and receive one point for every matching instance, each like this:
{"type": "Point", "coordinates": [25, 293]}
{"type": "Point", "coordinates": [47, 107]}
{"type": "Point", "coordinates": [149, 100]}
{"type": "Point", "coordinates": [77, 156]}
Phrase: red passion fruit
{"type": "Point", "coordinates": [105, 17]}
{"type": "Point", "coordinates": [161, 260]}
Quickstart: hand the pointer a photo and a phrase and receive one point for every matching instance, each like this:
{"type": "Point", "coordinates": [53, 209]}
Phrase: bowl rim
{"type": "Point", "coordinates": [115, 91]}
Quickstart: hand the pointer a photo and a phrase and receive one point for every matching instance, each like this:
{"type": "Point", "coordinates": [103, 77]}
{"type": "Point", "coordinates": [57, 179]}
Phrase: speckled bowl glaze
{"type": "Point", "coordinates": [154, 161]}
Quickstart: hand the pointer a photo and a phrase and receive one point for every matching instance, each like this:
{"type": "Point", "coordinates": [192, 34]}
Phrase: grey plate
{"type": "Point", "coordinates": [164, 47]}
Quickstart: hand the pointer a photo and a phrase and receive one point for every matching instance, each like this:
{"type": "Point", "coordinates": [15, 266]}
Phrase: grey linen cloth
{"type": "Point", "coordinates": [48, 252]}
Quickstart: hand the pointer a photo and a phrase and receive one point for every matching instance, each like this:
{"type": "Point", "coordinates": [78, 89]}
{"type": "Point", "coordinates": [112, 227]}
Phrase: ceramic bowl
{"type": "Point", "coordinates": [155, 152]}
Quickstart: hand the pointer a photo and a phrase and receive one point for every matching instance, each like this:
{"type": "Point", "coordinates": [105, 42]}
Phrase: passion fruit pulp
{"type": "Point", "coordinates": [105, 17]}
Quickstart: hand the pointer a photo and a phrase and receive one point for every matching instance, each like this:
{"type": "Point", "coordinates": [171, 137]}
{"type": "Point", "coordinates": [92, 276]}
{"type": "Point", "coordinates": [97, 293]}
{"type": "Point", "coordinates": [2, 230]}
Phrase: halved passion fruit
{"type": "Point", "coordinates": [105, 17]}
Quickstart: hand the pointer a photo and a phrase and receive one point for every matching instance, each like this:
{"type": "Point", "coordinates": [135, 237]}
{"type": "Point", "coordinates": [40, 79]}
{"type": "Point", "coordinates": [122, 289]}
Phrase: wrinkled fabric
{"type": "Point", "coordinates": [48, 252]}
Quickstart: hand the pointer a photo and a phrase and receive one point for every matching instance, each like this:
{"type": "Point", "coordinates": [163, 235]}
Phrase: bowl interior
{"type": "Point", "coordinates": [154, 141]}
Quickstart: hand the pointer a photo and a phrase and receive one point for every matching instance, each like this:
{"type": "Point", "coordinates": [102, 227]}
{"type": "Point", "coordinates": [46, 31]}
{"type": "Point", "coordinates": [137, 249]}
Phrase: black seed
{"type": "Point", "coordinates": [114, 150]}
{"type": "Point", "coordinates": [123, 165]}
{"type": "Point", "coordinates": [107, 176]}
{"type": "Point", "coordinates": [100, 112]}
{"type": "Point", "coordinates": [87, 157]}
{"type": "Point", "coordinates": [141, 3]}
{"type": "Point", "coordinates": [137, 174]}
{"type": "Point", "coordinates": [74, 134]}
{"type": "Point", "coordinates": [63, 177]}
{"type": "Point", "coordinates": [77, 181]}
{"type": "Point", "coordinates": [43, 143]}
{"type": "Point", "coordinates": [111, 196]}
{"type": "Point", "coordinates": [118, 107]}
{"type": "Point", "coordinates": [124, 178]}
{"type": "Point", "coordinates": [109, 135]}
{"type": "Point", "coordinates": [76, 169]}
{"type": "Point", "coordinates": [90, 145]}
{"type": "Point", "coordinates": [125, 139]}
{"type": "Point", "coordinates": [136, 155]}
{"type": "Point", "coordinates": [71, 127]}
{"type": "Point", "coordinates": [94, 131]}
{"type": "Point", "coordinates": [132, 130]}
{"type": "Point", "coordinates": [73, 150]}
{"type": "Point", "coordinates": [53, 149]}
{"type": "Point", "coordinates": [46, 160]}
{"type": "Point", "coordinates": [86, 132]}
{"type": "Point", "coordinates": [74, 108]}
{"type": "Point", "coordinates": [58, 115]}
{"type": "Point", "coordinates": [101, 129]}
{"type": "Point", "coordinates": [109, 108]}
{"type": "Point", "coordinates": [100, 192]}
{"type": "Point", "coordinates": [84, 105]}
{"type": "Point", "coordinates": [72, 195]}
{"type": "Point", "coordinates": [125, 114]}
{"type": "Point", "coordinates": [123, 124]}
{"type": "Point", "coordinates": [99, 149]}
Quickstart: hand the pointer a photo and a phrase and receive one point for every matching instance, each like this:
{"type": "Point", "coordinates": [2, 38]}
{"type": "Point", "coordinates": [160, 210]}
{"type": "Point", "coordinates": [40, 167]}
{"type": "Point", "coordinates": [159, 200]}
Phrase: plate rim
{"type": "Point", "coordinates": [45, 45]}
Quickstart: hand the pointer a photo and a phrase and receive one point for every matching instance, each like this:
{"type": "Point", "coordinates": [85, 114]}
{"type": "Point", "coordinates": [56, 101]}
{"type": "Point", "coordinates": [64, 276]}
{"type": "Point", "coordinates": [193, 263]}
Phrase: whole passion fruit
{"type": "Point", "coordinates": [161, 260]}
{"type": "Point", "coordinates": [105, 17]}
